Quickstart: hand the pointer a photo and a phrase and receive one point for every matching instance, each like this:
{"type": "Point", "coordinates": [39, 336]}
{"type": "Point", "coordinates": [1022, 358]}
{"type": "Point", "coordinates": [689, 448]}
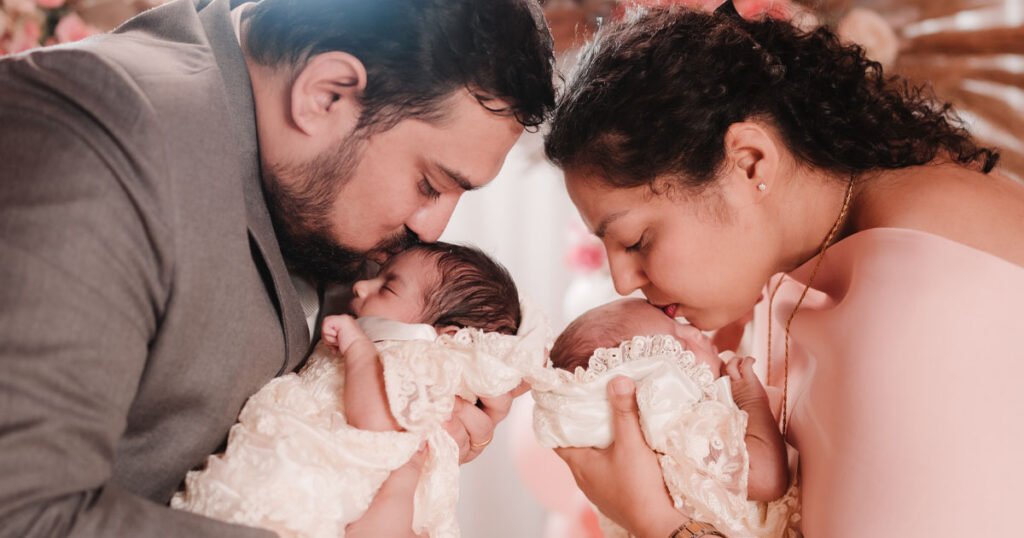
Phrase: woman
{"type": "Point", "coordinates": [710, 153]}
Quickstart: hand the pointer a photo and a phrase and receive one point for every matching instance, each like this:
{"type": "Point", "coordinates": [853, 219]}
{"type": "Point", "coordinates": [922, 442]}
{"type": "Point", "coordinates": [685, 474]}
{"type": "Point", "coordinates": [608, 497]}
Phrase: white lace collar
{"type": "Point", "coordinates": [659, 347]}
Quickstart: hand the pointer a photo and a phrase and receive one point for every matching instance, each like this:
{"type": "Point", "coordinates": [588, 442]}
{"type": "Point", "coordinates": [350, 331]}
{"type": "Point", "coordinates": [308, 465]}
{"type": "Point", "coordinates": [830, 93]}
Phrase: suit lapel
{"type": "Point", "coordinates": [216, 21]}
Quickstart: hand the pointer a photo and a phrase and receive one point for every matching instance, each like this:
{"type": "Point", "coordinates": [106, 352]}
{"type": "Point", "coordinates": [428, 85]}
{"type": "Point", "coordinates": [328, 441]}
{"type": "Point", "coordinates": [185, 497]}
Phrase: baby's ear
{"type": "Point", "coordinates": [449, 330]}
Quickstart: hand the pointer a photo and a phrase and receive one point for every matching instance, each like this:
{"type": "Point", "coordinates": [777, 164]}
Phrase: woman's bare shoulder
{"type": "Point", "coordinates": [983, 211]}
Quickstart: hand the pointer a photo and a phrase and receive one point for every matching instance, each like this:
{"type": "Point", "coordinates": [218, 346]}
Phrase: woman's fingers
{"type": "Point", "coordinates": [625, 415]}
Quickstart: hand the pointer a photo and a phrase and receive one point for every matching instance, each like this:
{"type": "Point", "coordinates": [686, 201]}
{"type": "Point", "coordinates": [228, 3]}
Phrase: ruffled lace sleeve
{"type": "Point", "coordinates": [292, 464]}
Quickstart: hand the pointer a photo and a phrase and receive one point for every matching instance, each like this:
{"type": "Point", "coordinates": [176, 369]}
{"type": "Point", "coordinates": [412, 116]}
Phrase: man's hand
{"type": "Point", "coordinates": [472, 427]}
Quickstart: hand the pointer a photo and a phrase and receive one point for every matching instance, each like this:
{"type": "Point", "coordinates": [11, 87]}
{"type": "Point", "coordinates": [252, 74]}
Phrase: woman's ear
{"type": "Point", "coordinates": [325, 94]}
{"type": "Point", "coordinates": [752, 162]}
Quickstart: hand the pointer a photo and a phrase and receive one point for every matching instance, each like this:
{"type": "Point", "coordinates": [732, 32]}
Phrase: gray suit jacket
{"type": "Point", "coordinates": [143, 296]}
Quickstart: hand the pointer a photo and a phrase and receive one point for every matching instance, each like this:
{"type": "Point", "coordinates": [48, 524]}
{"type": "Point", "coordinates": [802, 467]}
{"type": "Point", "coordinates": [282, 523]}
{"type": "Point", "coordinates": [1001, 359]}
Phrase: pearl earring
{"type": "Point", "coordinates": [762, 187]}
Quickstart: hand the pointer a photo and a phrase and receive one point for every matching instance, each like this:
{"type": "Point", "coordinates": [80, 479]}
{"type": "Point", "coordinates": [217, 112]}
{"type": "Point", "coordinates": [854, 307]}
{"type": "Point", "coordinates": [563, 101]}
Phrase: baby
{"type": "Point", "coordinates": [722, 454]}
{"type": "Point", "coordinates": [443, 318]}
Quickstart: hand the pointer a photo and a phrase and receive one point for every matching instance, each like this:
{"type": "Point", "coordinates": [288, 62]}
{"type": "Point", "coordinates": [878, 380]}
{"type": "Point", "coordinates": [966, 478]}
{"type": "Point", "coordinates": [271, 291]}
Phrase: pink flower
{"type": "Point", "coordinates": [14, 7]}
{"type": "Point", "coordinates": [49, 4]}
{"type": "Point", "coordinates": [24, 36]}
{"type": "Point", "coordinates": [748, 9]}
{"type": "Point", "coordinates": [72, 28]}
{"type": "Point", "coordinates": [586, 256]}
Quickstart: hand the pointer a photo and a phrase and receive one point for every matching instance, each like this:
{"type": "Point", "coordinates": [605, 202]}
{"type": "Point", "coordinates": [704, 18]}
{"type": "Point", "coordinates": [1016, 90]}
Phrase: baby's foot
{"type": "Point", "coordinates": [747, 390]}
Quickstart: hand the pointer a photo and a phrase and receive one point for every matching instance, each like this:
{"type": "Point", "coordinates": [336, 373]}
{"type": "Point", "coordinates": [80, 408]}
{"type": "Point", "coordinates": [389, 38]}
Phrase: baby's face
{"type": "Point", "coordinates": [643, 319]}
{"type": "Point", "coordinates": [398, 292]}
{"type": "Point", "coordinates": [639, 318]}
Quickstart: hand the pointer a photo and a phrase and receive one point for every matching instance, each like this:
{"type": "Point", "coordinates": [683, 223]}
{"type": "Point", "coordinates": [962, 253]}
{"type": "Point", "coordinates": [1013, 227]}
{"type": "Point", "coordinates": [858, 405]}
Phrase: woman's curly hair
{"type": "Point", "coordinates": [655, 93]}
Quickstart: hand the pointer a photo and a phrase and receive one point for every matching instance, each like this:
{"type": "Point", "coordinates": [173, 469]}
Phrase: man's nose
{"type": "Point", "coordinates": [429, 222]}
{"type": "Point", "coordinates": [627, 274]}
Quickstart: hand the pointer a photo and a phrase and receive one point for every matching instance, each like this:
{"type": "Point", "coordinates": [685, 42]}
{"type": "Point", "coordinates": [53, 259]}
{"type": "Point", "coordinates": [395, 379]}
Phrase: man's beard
{"type": "Point", "coordinates": [300, 199]}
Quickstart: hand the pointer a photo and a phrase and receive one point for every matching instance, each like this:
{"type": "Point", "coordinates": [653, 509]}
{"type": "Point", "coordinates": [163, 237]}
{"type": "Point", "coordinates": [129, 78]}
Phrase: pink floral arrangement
{"type": "Point", "coordinates": [586, 253]}
{"type": "Point", "coordinates": [748, 9]}
{"type": "Point", "coordinates": [25, 24]}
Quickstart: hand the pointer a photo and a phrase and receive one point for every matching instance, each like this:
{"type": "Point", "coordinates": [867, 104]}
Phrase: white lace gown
{"type": "Point", "coordinates": [294, 466]}
{"type": "Point", "coordinates": [687, 415]}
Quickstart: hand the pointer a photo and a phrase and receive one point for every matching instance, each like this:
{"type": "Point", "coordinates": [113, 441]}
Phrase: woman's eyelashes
{"type": "Point", "coordinates": [639, 244]}
{"type": "Point", "coordinates": [428, 190]}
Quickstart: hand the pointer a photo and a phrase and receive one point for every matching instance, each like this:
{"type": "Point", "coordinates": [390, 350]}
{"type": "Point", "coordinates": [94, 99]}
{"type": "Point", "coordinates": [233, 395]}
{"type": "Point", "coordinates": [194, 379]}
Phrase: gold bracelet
{"type": "Point", "coordinates": [695, 529]}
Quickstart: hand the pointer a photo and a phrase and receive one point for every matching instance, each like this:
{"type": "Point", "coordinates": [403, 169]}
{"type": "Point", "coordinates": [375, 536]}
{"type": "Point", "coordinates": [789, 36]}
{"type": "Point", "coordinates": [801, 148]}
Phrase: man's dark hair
{"type": "Point", "coordinates": [472, 290]}
{"type": "Point", "coordinates": [418, 52]}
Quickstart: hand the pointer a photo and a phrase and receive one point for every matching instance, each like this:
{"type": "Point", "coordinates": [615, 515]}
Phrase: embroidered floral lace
{"type": "Point", "coordinates": [688, 417]}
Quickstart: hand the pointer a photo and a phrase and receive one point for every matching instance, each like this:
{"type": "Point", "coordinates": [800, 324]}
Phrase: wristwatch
{"type": "Point", "coordinates": [695, 529]}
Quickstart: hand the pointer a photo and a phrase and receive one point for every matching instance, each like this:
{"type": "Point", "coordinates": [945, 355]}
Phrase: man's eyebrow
{"type": "Point", "coordinates": [458, 178]}
{"type": "Point", "coordinates": [602, 228]}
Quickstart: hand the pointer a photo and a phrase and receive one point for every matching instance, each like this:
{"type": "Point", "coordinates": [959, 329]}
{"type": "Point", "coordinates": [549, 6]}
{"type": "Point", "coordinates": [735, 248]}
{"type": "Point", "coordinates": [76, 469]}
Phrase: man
{"type": "Point", "coordinates": [169, 192]}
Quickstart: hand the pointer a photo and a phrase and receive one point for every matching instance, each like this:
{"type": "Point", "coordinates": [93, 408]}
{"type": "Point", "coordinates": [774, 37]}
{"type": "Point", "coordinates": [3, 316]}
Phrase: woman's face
{"type": "Point", "coordinates": [705, 257]}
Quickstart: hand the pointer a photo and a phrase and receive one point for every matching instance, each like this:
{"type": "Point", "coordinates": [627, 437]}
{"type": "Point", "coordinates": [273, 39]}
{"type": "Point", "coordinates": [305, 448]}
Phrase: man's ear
{"type": "Point", "coordinates": [325, 94]}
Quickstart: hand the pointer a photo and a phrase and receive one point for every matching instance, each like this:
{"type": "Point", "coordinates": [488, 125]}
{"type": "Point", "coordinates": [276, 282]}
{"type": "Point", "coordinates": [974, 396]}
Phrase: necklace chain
{"type": "Point", "coordinates": [771, 300]}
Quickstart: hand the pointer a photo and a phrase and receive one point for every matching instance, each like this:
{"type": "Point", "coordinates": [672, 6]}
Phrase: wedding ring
{"type": "Point", "coordinates": [483, 444]}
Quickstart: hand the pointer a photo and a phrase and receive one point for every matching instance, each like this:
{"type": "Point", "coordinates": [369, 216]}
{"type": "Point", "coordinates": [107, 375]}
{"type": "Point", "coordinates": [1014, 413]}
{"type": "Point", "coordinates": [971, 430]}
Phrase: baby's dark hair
{"type": "Point", "coordinates": [472, 290]}
{"type": "Point", "coordinates": [573, 348]}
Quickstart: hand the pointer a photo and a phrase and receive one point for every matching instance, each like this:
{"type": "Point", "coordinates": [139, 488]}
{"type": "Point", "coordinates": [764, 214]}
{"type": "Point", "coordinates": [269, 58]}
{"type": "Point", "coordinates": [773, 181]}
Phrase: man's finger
{"type": "Point", "coordinates": [625, 415]}
{"type": "Point", "coordinates": [457, 430]}
{"type": "Point", "coordinates": [478, 425]}
{"type": "Point", "coordinates": [497, 408]}
{"type": "Point", "coordinates": [523, 388]}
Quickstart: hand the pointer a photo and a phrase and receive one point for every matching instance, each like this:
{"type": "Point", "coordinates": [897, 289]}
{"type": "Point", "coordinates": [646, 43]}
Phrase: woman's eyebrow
{"type": "Point", "coordinates": [602, 227]}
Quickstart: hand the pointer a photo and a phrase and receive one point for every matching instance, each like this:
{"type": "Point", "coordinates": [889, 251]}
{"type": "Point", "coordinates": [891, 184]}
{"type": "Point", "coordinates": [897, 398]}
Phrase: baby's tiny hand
{"type": "Point", "coordinates": [340, 332]}
{"type": "Point", "coordinates": [330, 330]}
{"type": "Point", "coordinates": [746, 387]}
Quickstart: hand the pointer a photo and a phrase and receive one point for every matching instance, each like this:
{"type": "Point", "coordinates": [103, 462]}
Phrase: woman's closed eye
{"type": "Point", "coordinates": [428, 190]}
{"type": "Point", "coordinates": [639, 245]}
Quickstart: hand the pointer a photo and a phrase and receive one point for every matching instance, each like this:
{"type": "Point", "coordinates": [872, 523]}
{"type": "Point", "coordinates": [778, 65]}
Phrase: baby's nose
{"type": "Point", "coordinates": [361, 288]}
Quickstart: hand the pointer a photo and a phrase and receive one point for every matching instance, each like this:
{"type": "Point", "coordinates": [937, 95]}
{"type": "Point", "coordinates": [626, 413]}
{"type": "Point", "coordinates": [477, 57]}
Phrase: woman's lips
{"type": "Point", "coordinates": [670, 310]}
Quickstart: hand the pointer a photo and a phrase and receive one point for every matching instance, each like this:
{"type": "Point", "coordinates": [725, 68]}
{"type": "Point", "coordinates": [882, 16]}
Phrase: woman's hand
{"type": "Point", "coordinates": [624, 480]}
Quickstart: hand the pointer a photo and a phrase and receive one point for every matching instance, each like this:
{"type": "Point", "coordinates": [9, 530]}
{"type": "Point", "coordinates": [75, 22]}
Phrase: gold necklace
{"type": "Point", "coordinates": [771, 300]}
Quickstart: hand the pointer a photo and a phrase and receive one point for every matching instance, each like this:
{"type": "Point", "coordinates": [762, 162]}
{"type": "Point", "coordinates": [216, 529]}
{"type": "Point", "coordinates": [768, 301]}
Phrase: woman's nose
{"type": "Point", "coordinates": [627, 274]}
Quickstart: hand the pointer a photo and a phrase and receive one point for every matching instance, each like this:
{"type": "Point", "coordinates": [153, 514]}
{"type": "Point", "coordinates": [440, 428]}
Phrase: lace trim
{"type": "Point", "coordinates": [659, 346]}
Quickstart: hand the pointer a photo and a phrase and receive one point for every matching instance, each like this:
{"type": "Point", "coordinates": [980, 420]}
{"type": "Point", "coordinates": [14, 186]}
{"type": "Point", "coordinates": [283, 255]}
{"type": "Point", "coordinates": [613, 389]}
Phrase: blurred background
{"type": "Point", "coordinates": [971, 52]}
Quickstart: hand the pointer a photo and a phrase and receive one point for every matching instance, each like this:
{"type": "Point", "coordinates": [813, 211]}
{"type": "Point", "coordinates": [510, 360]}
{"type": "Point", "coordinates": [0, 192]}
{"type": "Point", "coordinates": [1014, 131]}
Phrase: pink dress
{"type": "Point", "coordinates": [906, 395]}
